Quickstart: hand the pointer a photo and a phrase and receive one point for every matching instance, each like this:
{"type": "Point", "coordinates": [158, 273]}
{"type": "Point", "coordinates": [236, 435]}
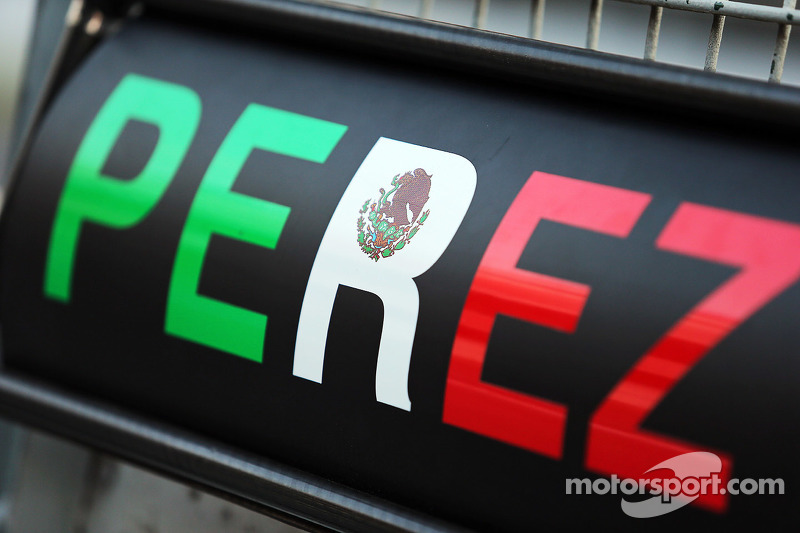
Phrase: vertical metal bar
{"type": "Point", "coordinates": [481, 14]}
{"type": "Point", "coordinates": [714, 40]}
{"type": "Point", "coordinates": [653, 29]}
{"type": "Point", "coordinates": [426, 9]}
{"type": "Point", "coordinates": [781, 44]}
{"type": "Point", "coordinates": [593, 32]}
{"type": "Point", "coordinates": [74, 13]}
{"type": "Point", "coordinates": [537, 18]}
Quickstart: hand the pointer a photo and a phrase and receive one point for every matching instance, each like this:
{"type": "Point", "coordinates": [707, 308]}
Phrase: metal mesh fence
{"type": "Point", "coordinates": [750, 39]}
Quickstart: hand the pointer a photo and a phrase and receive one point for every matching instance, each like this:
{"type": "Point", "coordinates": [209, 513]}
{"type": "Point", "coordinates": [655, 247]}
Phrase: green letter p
{"type": "Point", "coordinates": [90, 196]}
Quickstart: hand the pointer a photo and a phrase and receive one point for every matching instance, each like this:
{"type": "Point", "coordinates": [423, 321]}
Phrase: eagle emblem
{"type": "Point", "coordinates": [389, 224]}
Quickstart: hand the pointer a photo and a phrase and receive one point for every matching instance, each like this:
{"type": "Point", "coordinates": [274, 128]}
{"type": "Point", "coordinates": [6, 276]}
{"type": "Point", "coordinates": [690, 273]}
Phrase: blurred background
{"type": "Point", "coordinates": [16, 23]}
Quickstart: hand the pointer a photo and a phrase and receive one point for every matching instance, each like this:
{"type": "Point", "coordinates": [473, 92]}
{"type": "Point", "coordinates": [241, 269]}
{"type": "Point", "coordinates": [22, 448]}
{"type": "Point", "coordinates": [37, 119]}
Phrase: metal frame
{"type": "Point", "coordinates": [274, 488]}
{"type": "Point", "coordinates": [785, 17]}
{"type": "Point", "coordinates": [293, 496]}
{"type": "Point", "coordinates": [515, 58]}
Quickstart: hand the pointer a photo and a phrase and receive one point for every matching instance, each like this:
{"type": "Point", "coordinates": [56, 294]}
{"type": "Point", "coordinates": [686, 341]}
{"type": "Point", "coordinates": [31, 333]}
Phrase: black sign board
{"type": "Point", "coordinates": [474, 297]}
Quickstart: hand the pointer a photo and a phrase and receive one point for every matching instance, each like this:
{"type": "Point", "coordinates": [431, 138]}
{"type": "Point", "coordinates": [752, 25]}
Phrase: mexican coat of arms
{"type": "Point", "coordinates": [387, 225]}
